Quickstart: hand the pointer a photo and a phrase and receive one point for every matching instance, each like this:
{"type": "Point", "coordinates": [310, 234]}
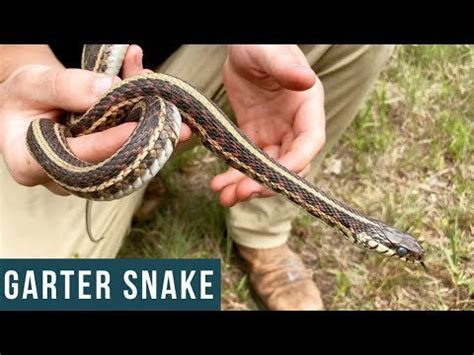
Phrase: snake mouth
{"type": "Point", "coordinates": [418, 261]}
{"type": "Point", "coordinates": [413, 258]}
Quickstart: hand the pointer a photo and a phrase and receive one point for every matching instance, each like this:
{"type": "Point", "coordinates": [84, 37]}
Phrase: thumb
{"type": "Point", "coordinates": [288, 66]}
{"type": "Point", "coordinates": [73, 90]}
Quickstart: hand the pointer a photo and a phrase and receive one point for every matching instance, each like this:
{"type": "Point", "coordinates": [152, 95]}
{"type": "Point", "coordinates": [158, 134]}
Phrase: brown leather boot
{"type": "Point", "coordinates": [280, 279]}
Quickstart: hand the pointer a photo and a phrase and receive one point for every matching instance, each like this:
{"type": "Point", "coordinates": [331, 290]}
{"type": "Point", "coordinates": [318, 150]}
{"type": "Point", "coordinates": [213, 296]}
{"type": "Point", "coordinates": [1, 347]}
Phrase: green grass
{"type": "Point", "coordinates": [458, 133]}
{"type": "Point", "coordinates": [408, 159]}
{"type": "Point", "coordinates": [372, 132]}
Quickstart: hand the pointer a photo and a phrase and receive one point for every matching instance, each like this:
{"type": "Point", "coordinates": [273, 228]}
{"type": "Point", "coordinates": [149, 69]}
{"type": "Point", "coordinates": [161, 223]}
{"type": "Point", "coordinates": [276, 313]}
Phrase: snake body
{"type": "Point", "coordinates": [158, 102]}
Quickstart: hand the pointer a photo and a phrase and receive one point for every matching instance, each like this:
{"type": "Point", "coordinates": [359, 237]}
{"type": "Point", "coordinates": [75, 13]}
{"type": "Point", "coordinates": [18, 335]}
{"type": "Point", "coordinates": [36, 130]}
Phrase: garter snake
{"type": "Point", "coordinates": [158, 102]}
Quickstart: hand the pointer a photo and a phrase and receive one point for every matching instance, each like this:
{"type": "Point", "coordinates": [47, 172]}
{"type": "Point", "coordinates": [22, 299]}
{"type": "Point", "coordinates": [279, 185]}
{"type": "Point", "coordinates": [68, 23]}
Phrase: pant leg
{"type": "Point", "coordinates": [34, 222]}
{"type": "Point", "coordinates": [347, 74]}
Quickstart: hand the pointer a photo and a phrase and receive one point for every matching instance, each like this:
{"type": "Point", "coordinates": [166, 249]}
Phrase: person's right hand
{"type": "Point", "coordinates": [38, 91]}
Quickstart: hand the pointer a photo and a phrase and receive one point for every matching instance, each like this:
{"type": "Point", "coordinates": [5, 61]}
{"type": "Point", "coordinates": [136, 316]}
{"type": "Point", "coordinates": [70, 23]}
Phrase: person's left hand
{"type": "Point", "coordinates": [279, 104]}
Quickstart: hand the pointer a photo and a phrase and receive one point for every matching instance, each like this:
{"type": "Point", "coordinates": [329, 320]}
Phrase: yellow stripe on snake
{"type": "Point", "coordinates": [158, 102]}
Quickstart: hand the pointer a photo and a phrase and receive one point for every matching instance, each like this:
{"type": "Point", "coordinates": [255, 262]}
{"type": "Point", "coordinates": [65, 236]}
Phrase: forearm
{"type": "Point", "coordinates": [16, 56]}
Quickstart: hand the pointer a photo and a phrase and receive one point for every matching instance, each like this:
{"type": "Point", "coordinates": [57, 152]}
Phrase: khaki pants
{"type": "Point", "coordinates": [36, 223]}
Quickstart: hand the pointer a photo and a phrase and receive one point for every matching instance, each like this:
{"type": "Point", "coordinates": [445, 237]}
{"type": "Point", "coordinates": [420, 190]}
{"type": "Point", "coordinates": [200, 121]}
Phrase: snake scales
{"type": "Point", "coordinates": [158, 102]}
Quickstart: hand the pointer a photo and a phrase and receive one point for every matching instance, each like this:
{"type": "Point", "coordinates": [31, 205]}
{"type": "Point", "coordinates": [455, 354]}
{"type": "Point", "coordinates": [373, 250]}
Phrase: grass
{"type": "Point", "coordinates": [407, 159]}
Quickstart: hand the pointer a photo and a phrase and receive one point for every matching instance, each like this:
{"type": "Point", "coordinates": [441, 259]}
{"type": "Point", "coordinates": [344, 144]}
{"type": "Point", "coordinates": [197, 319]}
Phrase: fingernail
{"type": "Point", "coordinates": [102, 85]}
{"type": "Point", "coordinates": [255, 194]}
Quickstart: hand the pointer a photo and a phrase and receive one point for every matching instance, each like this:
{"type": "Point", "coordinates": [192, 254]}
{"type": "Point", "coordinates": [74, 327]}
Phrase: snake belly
{"type": "Point", "coordinates": [154, 101]}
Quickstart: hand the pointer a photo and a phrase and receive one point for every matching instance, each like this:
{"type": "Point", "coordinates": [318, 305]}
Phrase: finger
{"type": "Point", "coordinates": [305, 171]}
{"type": "Point", "coordinates": [308, 137]}
{"type": "Point", "coordinates": [231, 176]}
{"type": "Point", "coordinates": [73, 90]}
{"type": "Point", "coordinates": [288, 66]}
{"type": "Point", "coordinates": [300, 154]}
{"type": "Point", "coordinates": [242, 186]}
{"type": "Point", "coordinates": [98, 146]}
{"type": "Point", "coordinates": [294, 76]}
{"type": "Point", "coordinates": [93, 148]}
{"type": "Point", "coordinates": [133, 62]}
{"type": "Point", "coordinates": [228, 197]}
{"type": "Point", "coordinates": [185, 132]}
{"type": "Point", "coordinates": [248, 189]}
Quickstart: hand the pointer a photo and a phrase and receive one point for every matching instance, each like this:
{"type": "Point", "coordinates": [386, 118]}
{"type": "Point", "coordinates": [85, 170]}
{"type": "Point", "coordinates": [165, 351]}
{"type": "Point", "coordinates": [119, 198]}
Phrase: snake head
{"type": "Point", "coordinates": [401, 244]}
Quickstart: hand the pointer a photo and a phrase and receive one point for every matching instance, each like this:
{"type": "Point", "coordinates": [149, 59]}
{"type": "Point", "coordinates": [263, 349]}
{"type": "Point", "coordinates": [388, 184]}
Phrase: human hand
{"type": "Point", "coordinates": [279, 104]}
{"type": "Point", "coordinates": [40, 91]}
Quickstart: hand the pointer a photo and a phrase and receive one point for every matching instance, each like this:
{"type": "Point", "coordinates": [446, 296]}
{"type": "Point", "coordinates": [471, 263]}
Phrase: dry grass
{"type": "Point", "coordinates": [408, 159]}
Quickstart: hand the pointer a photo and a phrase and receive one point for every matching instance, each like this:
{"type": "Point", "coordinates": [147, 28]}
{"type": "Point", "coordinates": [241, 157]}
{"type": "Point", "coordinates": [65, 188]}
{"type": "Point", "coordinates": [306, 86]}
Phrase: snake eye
{"type": "Point", "coordinates": [401, 251]}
